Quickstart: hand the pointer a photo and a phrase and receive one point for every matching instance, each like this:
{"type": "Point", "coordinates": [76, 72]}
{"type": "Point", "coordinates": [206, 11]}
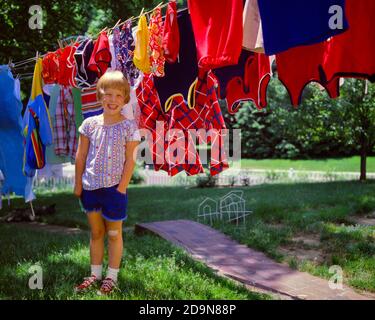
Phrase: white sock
{"type": "Point", "coordinates": [112, 273]}
{"type": "Point", "coordinates": [97, 270]}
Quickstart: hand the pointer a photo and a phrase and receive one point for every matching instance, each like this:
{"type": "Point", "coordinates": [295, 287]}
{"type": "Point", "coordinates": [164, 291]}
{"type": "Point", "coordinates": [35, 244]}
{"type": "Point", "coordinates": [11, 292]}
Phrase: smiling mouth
{"type": "Point", "coordinates": [112, 107]}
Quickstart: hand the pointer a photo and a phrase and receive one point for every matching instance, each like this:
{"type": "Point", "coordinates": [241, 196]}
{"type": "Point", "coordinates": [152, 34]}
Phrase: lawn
{"type": "Point", "coordinates": [281, 212]}
{"type": "Point", "coordinates": [152, 269]}
{"type": "Point", "coordinates": [351, 164]}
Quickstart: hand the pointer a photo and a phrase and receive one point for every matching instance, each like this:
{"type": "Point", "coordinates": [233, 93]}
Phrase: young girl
{"type": "Point", "coordinates": [105, 162]}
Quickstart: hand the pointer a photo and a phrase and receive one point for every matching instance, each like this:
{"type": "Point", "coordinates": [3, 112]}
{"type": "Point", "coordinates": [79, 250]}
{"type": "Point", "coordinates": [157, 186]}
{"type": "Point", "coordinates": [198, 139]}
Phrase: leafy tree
{"type": "Point", "coordinates": [358, 104]}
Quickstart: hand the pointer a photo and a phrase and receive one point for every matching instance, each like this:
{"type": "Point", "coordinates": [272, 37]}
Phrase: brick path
{"type": "Point", "coordinates": [243, 264]}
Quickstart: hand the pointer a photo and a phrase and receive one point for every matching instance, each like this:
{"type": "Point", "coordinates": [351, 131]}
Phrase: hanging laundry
{"type": "Point", "coordinates": [141, 57]}
{"type": "Point", "coordinates": [50, 70]}
{"type": "Point", "coordinates": [67, 66]}
{"type": "Point", "coordinates": [50, 171]}
{"type": "Point", "coordinates": [299, 66]}
{"type": "Point", "coordinates": [37, 127]}
{"type": "Point", "coordinates": [90, 105]}
{"type": "Point", "coordinates": [124, 47]}
{"type": "Point", "coordinates": [132, 110]}
{"type": "Point", "coordinates": [252, 27]}
{"type": "Point", "coordinates": [248, 80]}
{"type": "Point", "coordinates": [55, 92]}
{"type": "Point", "coordinates": [171, 33]}
{"type": "Point", "coordinates": [206, 99]}
{"type": "Point", "coordinates": [77, 101]}
{"type": "Point", "coordinates": [181, 152]}
{"type": "Point", "coordinates": [65, 136]}
{"type": "Point", "coordinates": [51, 157]}
{"type": "Point", "coordinates": [156, 38]}
{"type": "Point", "coordinates": [11, 140]}
{"type": "Point", "coordinates": [290, 23]}
{"type": "Point", "coordinates": [202, 115]}
{"type": "Point", "coordinates": [101, 57]}
{"type": "Point", "coordinates": [179, 76]}
{"type": "Point", "coordinates": [85, 77]}
{"type": "Point", "coordinates": [352, 53]}
{"type": "Point", "coordinates": [114, 60]}
{"type": "Point", "coordinates": [154, 119]}
{"type": "Point", "coordinates": [218, 31]}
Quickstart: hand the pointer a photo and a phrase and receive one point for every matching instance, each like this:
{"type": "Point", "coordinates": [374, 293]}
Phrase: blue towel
{"type": "Point", "coordinates": [291, 23]}
{"type": "Point", "coordinates": [11, 139]}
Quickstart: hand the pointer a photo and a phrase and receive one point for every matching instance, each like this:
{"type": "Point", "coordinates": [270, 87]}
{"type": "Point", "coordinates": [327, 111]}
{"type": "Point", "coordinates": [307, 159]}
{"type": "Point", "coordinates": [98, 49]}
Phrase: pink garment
{"type": "Point", "coordinates": [252, 27]}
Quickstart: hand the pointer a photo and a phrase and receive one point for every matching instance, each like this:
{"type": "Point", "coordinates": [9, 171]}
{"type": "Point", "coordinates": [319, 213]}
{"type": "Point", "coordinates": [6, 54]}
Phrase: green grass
{"type": "Point", "coordinates": [319, 208]}
{"type": "Point", "coordinates": [152, 269]}
{"type": "Point", "coordinates": [351, 164]}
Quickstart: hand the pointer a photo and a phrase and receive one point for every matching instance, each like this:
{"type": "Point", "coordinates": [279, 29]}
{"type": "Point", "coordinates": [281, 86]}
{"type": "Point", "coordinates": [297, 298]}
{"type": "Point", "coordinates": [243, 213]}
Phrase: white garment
{"type": "Point", "coordinates": [112, 50]}
{"type": "Point", "coordinates": [131, 110]}
{"type": "Point", "coordinates": [50, 171]}
{"type": "Point", "coordinates": [252, 27]}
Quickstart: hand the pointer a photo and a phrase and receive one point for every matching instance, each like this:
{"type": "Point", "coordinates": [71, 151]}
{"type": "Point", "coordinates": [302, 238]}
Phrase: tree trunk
{"type": "Point", "coordinates": [363, 142]}
{"type": "Point", "coordinates": [363, 166]}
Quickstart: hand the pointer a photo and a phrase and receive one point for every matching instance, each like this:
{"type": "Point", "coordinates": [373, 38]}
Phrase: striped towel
{"type": "Point", "coordinates": [90, 105]}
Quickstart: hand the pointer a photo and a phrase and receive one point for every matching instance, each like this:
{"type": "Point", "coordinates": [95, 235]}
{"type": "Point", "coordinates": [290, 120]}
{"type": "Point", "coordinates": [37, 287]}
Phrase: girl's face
{"type": "Point", "coordinates": [113, 100]}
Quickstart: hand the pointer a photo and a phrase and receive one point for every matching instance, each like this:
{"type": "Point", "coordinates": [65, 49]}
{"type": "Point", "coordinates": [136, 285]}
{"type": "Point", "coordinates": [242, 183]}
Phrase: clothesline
{"type": "Point", "coordinates": [160, 5]}
{"type": "Point", "coordinates": [32, 59]}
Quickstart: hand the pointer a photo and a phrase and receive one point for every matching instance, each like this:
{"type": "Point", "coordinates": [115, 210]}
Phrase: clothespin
{"type": "Point", "coordinates": [10, 64]}
{"type": "Point", "coordinates": [105, 28]}
{"type": "Point", "coordinates": [119, 20]}
{"type": "Point", "coordinates": [140, 15]}
{"type": "Point", "coordinates": [161, 3]}
{"type": "Point", "coordinates": [110, 30]}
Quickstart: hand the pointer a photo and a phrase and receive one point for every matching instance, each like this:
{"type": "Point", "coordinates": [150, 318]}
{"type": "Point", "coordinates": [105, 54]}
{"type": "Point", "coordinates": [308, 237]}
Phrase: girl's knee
{"type": "Point", "coordinates": [114, 235]}
{"type": "Point", "coordinates": [97, 233]}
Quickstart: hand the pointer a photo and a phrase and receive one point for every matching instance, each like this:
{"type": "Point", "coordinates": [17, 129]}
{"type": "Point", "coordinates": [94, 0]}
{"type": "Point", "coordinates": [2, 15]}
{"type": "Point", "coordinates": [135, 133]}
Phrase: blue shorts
{"type": "Point", "coordinates": [110, 202]}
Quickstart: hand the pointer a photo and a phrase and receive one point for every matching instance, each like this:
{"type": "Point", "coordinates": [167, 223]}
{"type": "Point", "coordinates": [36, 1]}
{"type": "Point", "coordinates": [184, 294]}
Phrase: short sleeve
{"type": "Point", "coordinates": [132, 131]}
{"type": "Point", "coordinates": [84, 128]}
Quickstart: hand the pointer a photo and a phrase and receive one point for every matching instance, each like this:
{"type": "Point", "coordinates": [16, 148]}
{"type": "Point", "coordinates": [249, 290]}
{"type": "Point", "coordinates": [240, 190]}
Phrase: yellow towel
{"type": "Point", "coordinates": [141, 57]}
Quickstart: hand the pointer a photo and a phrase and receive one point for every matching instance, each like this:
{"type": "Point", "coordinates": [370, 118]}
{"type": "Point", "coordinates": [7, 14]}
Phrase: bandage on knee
{"type": "Point", "coordinates": [113, 233]}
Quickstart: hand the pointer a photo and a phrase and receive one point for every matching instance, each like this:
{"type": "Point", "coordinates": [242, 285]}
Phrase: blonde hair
{"type": "Point", "coordinates": [115, 80]}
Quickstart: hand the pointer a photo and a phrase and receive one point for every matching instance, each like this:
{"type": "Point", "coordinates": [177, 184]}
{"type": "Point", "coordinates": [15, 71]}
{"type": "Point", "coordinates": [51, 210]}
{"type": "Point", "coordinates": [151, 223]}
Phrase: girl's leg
{"type": "Point", "coordinates": [97, 225]}
{"type": "Point", "coordinates": [96, 250]}
{"type": "Point", "coordinates": [115, 244]}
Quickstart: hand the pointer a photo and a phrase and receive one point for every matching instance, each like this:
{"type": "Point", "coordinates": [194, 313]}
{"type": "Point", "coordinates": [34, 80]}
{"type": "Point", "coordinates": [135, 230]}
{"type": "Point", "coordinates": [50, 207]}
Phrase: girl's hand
{"type": "Point", "coordinates": [78, 189]}
{"type": "Point", "coordinates": [123, 191]}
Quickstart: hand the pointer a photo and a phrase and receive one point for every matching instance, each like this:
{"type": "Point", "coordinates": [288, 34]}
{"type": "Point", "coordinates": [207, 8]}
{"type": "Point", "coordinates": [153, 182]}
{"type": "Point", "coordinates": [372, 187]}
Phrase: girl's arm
{"type": "Point", "coordinates": [130, 157]}
{"type": "Point", "coordinates": [80, 162]}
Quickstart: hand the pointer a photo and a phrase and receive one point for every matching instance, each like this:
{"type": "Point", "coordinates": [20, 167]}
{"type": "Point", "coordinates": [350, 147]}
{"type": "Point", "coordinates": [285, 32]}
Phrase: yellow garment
{"type": "Point", "coordinates": [141, 57]}
{"type": "Point", "coordinates": [37, 80]}
{"type": "Point", "coordinates": [37, 89]}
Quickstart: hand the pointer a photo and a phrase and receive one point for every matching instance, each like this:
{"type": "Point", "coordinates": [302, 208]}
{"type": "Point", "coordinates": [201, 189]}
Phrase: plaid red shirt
{"type": "Point", "coordinates": [65, 138]}
{"type": "Point", "coordinates": [206, 99]}
{"type": "Point", "coordinates": [175, 153]}
{"type": "Point", "coordinates": [151, 116]}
